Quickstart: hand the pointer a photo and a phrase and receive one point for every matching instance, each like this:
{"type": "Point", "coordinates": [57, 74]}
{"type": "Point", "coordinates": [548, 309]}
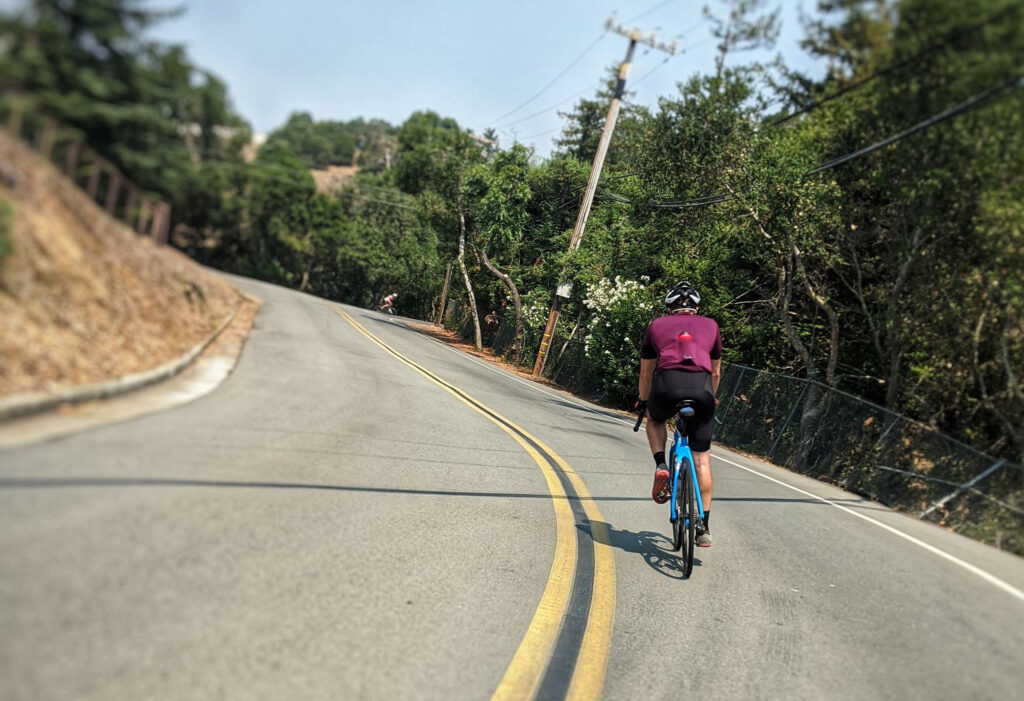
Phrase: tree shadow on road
{"type": "Point", "coordinates": [132, 482]}
{"type": "Point", "coordinates": [655, 548]}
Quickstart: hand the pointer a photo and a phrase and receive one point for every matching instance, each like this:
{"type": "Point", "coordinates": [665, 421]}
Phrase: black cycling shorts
{"type": "Point", "coordinates": [670, 388]}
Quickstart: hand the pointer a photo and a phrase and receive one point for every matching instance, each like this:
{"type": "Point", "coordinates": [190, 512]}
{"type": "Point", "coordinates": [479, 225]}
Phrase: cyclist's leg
{"type": "Point", "coordinates": [660, 406]}
{"type": "Point", "coordinates": [656, 434]}
{"type": "Point", "coordinates": [700, 429]}
{"type": "Point", "coordinates": [702, 462]}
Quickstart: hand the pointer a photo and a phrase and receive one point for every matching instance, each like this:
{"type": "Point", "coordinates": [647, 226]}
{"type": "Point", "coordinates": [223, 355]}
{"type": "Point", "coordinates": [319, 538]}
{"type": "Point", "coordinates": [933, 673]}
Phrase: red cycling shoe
{"type": "Point", "coordinates": [660, 493]}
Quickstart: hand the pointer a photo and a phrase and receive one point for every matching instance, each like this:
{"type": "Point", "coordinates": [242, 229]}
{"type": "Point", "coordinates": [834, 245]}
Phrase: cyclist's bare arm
{"type": "Point", "coordinates": [716, 375]}
{"type": "Point", "coordinates": [647, 366]}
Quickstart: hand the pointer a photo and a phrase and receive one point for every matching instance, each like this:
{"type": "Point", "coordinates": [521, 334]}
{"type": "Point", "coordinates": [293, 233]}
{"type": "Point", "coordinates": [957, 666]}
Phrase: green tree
{"type": "Point", "coordinates": [437, 157]}
{"type": "Point", "coordinates": [317, 144]}
{"type": "Point", "coordinates": [141, 104]}
{"type": "Point", "coordinates": [501, 188]}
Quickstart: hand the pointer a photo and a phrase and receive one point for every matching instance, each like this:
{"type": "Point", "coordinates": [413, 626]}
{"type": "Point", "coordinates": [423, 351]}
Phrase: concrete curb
{"type": "Point", "coordinates": [35, 402]}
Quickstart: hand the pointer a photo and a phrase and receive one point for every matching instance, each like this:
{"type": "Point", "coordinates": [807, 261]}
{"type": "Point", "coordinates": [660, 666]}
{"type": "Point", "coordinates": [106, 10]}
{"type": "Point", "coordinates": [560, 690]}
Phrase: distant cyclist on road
{"type": "Point", "coordinates": [388, 302]}
{"type": "Point", "coordinates": [681, 358]}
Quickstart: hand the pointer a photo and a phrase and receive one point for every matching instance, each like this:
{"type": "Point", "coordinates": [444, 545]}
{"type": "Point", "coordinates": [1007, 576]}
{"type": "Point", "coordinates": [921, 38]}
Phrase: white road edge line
{"type": "Point", "coordinates": [990, 578]}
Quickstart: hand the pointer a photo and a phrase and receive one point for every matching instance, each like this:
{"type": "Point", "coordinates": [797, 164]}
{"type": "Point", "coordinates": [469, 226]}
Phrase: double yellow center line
{"type": "Point", "coordinates": [564, 653]}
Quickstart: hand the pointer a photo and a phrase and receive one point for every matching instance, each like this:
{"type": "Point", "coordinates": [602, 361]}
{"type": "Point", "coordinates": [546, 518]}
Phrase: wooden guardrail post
{"type": "Point", "coordinates": [71, 159]}
{"type": "Point", "coordinates": [14, 118]}
{"type": "Point", "coordinates": [48, 137]}
{"type": "Point", "coordinates": [145, 208]}
{"type": "Point", "coordinates": [129, 205]}
{"type": "Point", "coordinates": [94, 176]}
{"type": "Point", "coordinates": [150, 217]}
{"type": "Point", "coordinates": [113, 190]}
{"type": "Point", "coordinates": [154, 223]}
{"type": "Point", "coordinates": [164, 228]}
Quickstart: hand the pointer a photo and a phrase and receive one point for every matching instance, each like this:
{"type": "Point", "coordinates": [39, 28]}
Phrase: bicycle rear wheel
{"type": "Point", "coordinates": [687, 518]}
{"type": "Point", "coordinates": [679, 525]}
{"type": "Point", "coordinates": [676, 506]}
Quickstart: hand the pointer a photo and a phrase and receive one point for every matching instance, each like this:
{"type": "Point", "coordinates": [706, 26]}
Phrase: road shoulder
{"type": "Point", "coordinates": [204, 374]}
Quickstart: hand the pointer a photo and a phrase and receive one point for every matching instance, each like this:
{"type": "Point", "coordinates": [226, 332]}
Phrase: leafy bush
{"type": "Point", "coordinates": [536, 305]}
{"type": "Point", "coordinates": [621, 310]}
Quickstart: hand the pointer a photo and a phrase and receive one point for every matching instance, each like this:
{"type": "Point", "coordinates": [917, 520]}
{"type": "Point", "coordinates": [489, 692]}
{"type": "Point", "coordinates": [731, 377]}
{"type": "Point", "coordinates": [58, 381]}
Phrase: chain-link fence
{"type": "Point", "coordinates": [811, 428]}
{"type": "Point", "coordinates": [872, 451]}
{"type": "Point", "coordinates": [565, 364]}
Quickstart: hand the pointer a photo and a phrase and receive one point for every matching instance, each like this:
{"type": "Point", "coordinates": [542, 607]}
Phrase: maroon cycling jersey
{"type": "Point", "coordinates": [683, 342]}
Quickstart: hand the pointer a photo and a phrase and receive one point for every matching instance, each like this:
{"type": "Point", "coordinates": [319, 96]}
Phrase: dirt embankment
{"type": "Point", "coordinates": [82, 297]}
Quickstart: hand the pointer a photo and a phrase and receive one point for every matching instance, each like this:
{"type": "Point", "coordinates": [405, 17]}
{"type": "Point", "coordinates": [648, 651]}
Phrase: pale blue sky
{"type": "Point", "coordinates": [473, 60]}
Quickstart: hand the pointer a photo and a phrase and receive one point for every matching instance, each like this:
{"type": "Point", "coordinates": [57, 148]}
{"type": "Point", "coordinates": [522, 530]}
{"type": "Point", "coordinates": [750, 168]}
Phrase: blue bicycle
{"type": "Point", "coordinates": [685, 505]}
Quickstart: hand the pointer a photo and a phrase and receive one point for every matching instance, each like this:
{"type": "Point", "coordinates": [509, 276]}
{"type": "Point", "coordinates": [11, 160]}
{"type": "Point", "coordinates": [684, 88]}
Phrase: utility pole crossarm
{"type": "Point", "coordinates": [636, 35]}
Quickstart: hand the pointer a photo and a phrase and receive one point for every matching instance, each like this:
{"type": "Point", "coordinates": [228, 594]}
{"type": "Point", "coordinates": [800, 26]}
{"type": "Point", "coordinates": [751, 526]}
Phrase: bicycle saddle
{"type": "Point", "coordinates": [686, 409]}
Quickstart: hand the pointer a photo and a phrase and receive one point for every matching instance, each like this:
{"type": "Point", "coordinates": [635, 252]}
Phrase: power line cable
{"type": "Point", "coordinates": [658, 67]}
{"type": "Point", "coordinates": [702, 201]}
{"type": "Point", "coordinates": [597, 85]}
{"type": "Point", "coordinates": [554, 80]}
{"type": "Point", "coordinates": [942, 41]}
{"type": "Point", "coordinates": [557, 104]}
{"type": "Point", "coordinates": [649, 10]}
{"type": "Point", "coordinates": [371, 199]}
{"type": "Point", "coordinates": [263, 173]}
{"type": "Point", "coordinates": [689, 29]}
{"type": "Point", "coordinates": [965, 106]}
{"type": "Point", "coordinates": [695, 202]}
{"type": "Point", "coordinates": [651, 72]}
{"type": "Point", "coordinates": [586, 132]}
{"type": "Point", "coordinates": [219, 157]}
{"type": "Point", "coordinates": [543, 133]}
{"type": "Point", "coordinates": [701, 43]}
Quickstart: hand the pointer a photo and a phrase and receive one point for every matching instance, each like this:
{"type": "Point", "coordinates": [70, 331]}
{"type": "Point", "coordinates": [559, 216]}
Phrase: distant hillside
{"type": "Point", "coordinates": [332, 178]}
{"type": "Point", "coordinates": [82, 297]}
{"type": "Point", "coordinates": [323, 144]}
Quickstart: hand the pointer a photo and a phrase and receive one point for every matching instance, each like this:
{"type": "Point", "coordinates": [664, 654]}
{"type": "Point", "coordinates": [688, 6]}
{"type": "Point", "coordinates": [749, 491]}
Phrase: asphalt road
{"type": "Point", "coordinates": [361, 512]}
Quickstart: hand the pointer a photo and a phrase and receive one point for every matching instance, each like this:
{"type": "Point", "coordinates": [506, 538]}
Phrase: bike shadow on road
{"type": "Point", "coordinates": [389, 320]}
{"type": "Point", "coordinates": [655, 548]}
{"type": "Point", "coordinates": [611, 418]}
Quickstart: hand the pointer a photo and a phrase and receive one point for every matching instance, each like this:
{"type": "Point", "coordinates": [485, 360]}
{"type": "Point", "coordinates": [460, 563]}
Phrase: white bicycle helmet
{"type": "Point", "coordinates": [682, 296]}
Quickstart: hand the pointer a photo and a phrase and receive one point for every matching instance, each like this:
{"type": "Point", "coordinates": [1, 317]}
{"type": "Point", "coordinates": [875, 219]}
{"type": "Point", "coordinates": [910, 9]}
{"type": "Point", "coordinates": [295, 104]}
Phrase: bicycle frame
{"type": "Point", "coordinates": [681, 449]}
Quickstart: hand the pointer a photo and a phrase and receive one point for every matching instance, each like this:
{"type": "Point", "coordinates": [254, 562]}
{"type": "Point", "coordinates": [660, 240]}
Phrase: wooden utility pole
{"type": "Point", "coordinates": [564, 289]}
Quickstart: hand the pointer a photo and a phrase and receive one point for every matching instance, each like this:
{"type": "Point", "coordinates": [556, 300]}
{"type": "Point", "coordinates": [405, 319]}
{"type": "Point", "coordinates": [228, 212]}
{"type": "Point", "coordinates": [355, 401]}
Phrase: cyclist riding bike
{"type": "Point", "coordinates": [388, 302]}
{"type": "Point", "coordinates": [681, 358]}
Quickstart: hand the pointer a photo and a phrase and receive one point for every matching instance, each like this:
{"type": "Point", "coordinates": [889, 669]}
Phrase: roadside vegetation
{"type": "Point", "coordinates": [897, 275]}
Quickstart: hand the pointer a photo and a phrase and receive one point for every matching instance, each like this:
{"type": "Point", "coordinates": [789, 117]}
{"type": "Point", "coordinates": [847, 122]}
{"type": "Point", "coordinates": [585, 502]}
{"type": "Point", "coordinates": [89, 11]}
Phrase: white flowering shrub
{"type": "Point", "coordinates": [536, 306]}
{"type": "Point", "coordinates": [621, 311]}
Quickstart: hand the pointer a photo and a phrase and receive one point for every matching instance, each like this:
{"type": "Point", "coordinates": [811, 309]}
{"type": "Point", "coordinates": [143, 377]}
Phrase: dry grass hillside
{"type": "Point", "coordinates": [332, 178]}
{"type": "Point", "coordinates": [82, 297]}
